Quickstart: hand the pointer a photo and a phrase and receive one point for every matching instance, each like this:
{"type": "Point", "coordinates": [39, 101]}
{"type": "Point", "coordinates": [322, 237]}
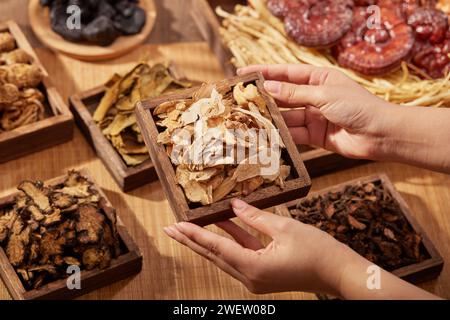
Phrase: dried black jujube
{"type": "Point", "coordinates": [100, 31]}
{"type": "Point", "coordinates": [102, 22]}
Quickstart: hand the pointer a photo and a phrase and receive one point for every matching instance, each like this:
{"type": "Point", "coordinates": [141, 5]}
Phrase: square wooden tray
{"type": "Point", "coordinates": [49, 132]}
{"type": "Point", "coordinates": [318, 162]}
{"type": "Point", "coordinates": [126, 265]}
{"type": "Point", "coordinates": [265, 198]}
{"type": "Point", "coordinates": [83, 106]}
{"type": "Point", "coordinates": [416, 273]}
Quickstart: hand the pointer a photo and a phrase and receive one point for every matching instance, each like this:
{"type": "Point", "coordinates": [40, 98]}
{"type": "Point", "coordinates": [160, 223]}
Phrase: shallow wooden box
{"type": "Point", "coordinates": [416, 273]}
{"type": "Point", "coordinates": [317, 161]}
{"type": "Point", "coordinates": [126, 265]}
{"type": "Point", "coordinates": [55, 129]}
{"type": "Point", "coordinates": [296, 187]}
{"type": "Point", "coordinates": [83, 106]}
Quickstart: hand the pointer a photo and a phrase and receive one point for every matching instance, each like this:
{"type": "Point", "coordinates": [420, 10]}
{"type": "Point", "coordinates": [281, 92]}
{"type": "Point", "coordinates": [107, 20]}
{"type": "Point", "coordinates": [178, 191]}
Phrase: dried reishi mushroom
{"type": "Point", "coordinates": [199, 133]}
{"type": "Point", "coordinates": [374, 51]}
{"type": "Point", "coordinates": [115, 115]}
{"type": "Point", "coordinates": [49, 228]}
{"type": "Point", "coordinates": [367, 218]}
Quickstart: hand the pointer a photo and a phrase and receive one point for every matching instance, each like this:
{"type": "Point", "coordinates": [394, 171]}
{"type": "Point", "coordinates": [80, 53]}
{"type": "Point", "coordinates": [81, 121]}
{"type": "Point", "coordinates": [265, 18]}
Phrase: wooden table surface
{"type": "Point", "coordinates": [171, 271]}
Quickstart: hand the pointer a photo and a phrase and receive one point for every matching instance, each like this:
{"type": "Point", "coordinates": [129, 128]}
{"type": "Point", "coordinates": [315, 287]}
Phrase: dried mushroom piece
{"type": "Point", "coordinates": [37, 193]}
{"type": "Point", "coordinates": [49, 228]}
{"type": "Point", "coordinates": [217, 141]}
{"type": "Point", "coordinates": [23, 75]}
{"type": "Point", "coordinates": [115, 113]}
{"type": "Point", "coordinates": [15, 56]}
{"type": "Point", "coordinates": [368, 219]}
{"type": "Point", "coordinates": [7, 42]}
{"type": "Point", "coordinates": [21, 103]}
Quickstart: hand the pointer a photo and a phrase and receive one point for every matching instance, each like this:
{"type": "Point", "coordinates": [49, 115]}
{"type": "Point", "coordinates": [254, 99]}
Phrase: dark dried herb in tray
{"type": "Point", "coordinates": [102, 21]}
{"type": "Point", "coordinates": [367, 218]}
{"type": "Point", "coordinates": [48, 228]}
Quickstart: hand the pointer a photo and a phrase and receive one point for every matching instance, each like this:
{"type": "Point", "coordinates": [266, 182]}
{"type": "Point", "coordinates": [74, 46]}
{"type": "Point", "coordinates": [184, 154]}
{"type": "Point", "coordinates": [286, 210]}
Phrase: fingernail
{"type": "Point", "coordinates": [273, 87]}
{"type": "Point", "coordinates": [169, 231]}
{"type": "Point", "coordinates": [238, 205]}
{"type": "Point", "coordinates": [180, 226]}
{"type": "Point", "coordinates": [239, 71]}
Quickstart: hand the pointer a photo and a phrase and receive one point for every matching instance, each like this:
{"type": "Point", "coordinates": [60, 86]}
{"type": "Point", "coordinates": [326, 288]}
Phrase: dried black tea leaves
{"type": "Point", "coordinates": [369, 220]}
{"type": "Point", "coordinates": [102, 22]}
{"type": "Point", "coordinates": [49, 228]}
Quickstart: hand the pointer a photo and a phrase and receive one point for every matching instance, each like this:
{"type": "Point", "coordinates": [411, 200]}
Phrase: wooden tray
{"type": "Point", "coordinates": [265, 198]}
{"type": "Point", "coordinates": [46, 133]}
{"type": "Point", "coordinates": [126, 265]}
{"type": "Point", "coordinates": [420, 272]}
{"type": "Point", "coordinates": [83, 106]}
{"type": "Point", "coordinates": [317, 161]}
{"type": "Point", "coordinates": [40, 23]}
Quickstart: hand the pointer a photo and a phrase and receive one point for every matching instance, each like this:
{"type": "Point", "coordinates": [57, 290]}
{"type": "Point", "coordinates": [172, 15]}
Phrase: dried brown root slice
{"type": "Point", "coordinates": [6, 221]}
{"type": "Point", "coordinates": [319, 23]}
{"type": "Point", "coordinates": [379, 50]}
{"type": "Point", "coordinates": [38, 194]}
{"type": "Point", "coordinates": [7, 42]}
{"type": "Point", "coordinates": [97, 257]}
{"type": "Point", "coordinates": [18, 242]}
{"type": "Point", "coordinates": [90, 224]}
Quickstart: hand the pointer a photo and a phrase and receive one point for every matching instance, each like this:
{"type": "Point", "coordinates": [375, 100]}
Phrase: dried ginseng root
{"type": "Point", "coordinates": [217, 141]}
{"type": "Point", "coordinates": [115, 113]}
{"type": "Point", "coordinates": [21, 102]}
{"type": "Point", "coordinates": [49, 228]}
{"type": "Point", "coordinates": [368, 219]}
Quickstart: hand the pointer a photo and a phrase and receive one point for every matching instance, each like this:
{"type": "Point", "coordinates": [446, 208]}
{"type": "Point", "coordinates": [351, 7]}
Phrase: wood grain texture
{"type": "Point", "coordinates": [171, 271]}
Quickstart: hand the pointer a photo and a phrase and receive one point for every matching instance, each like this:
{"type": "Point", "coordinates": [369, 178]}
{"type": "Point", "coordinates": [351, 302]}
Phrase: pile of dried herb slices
{"type": "Point", "coordinates": [115, 113]}
{"type": "Point", "coordinates": [201, 133]}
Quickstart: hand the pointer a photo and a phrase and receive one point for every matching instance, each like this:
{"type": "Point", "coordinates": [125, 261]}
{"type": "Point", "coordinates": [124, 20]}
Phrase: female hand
{"type": "Point", "coordinates": [341, 116]}
{"type": "Point", "coordinates": [299, 258]}
{"type": "Point", "coordinates": [338, 114]}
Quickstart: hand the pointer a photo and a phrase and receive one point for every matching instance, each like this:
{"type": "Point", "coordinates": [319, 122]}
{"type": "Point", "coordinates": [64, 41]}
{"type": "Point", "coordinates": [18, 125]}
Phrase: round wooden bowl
{"type": "Point", "coordinates": [39, 18]}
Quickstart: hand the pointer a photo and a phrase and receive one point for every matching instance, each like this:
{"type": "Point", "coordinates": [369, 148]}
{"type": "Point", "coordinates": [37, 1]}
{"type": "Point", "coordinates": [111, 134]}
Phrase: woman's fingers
{"type": "Point", "coordinates": [242, 237]}
{"type": "Point", "coordinates": [300, 135]}
{"type": "Point", "coordinates": [294, 95]}
{"type": "Point", "coordinates": [264, 222]}
{"type": "Point", "coordinates": [176, 234]}
{"type": "Point", "coordinates": [294, 118]}
{"type": "Point", "coordinates": [294, 73]}
{"type": "Point", "coordinates": [217, 246]}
